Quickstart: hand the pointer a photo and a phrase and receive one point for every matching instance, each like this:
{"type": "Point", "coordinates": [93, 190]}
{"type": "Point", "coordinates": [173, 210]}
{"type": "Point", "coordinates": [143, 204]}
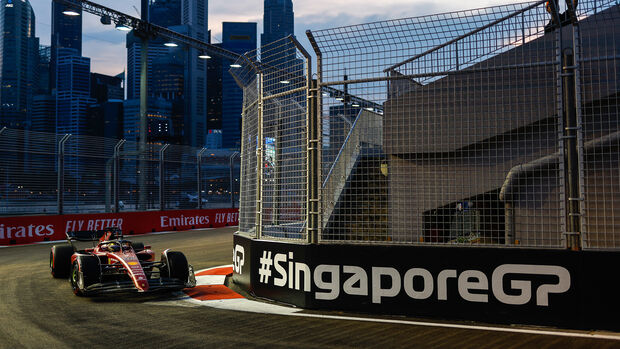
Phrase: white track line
{"type": "Point", "coordinates": [559, 333]}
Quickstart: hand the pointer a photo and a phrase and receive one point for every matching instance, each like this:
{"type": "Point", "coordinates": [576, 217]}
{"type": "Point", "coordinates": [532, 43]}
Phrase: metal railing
{"type": "Point", "coordinates": [488, 127]}
{"type": "Point", "coordinates": [44, 173]}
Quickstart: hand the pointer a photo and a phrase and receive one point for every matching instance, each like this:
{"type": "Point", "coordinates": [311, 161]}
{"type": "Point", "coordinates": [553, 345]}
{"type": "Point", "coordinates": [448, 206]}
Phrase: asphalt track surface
{"type": "Point", "coordinates": [37, 311]}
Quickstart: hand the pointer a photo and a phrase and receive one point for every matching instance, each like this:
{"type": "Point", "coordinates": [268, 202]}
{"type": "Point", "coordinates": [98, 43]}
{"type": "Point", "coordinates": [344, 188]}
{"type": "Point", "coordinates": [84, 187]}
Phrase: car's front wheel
{"type": "Point", "coordinates": [84, 272]}
{"type": "Point", "coordinates": [175, 266]}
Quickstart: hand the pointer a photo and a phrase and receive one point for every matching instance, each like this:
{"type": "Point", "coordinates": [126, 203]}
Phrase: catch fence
{"type": "Point", "coordinates": [45, 173]}
{"type": "Point", "coordinates": [489, 127]}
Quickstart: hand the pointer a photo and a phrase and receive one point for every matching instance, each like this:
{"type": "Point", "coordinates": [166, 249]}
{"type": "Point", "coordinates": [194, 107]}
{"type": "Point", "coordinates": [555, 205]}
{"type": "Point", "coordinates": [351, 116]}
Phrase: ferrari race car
{"type": "Point", "coordinates": [115, 265]}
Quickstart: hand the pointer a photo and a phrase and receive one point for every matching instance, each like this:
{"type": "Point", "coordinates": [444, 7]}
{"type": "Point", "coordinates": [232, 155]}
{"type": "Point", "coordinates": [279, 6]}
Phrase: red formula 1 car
{"type": "Point", "coordinates": [115, 265]}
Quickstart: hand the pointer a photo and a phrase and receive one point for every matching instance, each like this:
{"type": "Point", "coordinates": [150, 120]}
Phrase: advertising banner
{"type": "Point", "coordinates": [30, 229]}
{"type": "Point", "coordinates": [498, 285]}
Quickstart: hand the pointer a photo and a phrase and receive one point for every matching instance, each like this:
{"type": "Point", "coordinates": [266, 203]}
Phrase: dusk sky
{"type": "Point", "coordinates": [106, 46]}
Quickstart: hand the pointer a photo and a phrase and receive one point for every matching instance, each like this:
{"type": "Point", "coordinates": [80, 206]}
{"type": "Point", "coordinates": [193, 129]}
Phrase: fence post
{"type": "Point", "coordinates": [199, 175]}
{"type": "Point", "coordinates": [259, 162]}
{"type": "Point", "coordinates": [61, 172]}
{"type": "Point", "coordinates": [312, 146]}
{"type": "Point", "coordinates": [231, 178]}
{"type": "Point", "coordinates": [571, 155]}
{"type": "Point", "coordinates": [116, 174]}
{"type": "Point", "coordinates": [315, 131]}
{"type": "Point", "coordinates": [162, 176]}
{"type": "Point", "coordinates": [313, 163]}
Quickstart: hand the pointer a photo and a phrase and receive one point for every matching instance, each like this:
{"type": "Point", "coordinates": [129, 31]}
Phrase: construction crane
{"type": "Point", "coordinates": [145, 29]}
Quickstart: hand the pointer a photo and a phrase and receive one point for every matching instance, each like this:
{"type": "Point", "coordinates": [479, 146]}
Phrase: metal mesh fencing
{"type": "Point", "coordinates": [427, 119]}
{"type": "Point", "coordinates": [476, 136]}
{"type": "Point", "coordinates": [27, 176]}
{"type": "Point", "coordinates": [94, 174]}
{"type": "Point", "coordinates": [495, 126]}
{"type": "Point", "coordinates": [275, 82]}
{"type": "Point", "coordinates": [598, 59]}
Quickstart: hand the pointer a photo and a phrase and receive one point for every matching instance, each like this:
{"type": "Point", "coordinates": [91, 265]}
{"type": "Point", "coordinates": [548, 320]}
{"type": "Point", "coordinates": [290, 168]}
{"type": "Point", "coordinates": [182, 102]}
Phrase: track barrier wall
{"type": "Point", "coordinates": [31, 229]}
{"type": "Point", "coordinates": [508, 286]}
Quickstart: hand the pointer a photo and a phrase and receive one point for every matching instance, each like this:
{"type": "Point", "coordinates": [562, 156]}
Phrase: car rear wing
{"type": "Point", "coordinates": [94, 235]}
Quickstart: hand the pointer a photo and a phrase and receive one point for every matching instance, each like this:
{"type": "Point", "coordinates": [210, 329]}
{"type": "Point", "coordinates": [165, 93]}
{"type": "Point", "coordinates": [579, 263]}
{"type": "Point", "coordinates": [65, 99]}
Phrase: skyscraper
{"type": "Point", "coordinates": [18, 62]}
{"type": "Point", "coordinates": [188, 17]}
{"type": "Point", "coordinates": [214, 99]}
{"type": "Point", "coordinates": [156, 49]}
{"type": "Point", "coordinates": [159, 124]}
{"type": "Point", "coordinates": [194, 14]}
{"type": "Point", "coordinates": [278, 20]}
{"type": "Point", "coordinates": [105, 87]}
{"type": "Point", "coordinates": [239, 38]}
{"type": "Point", "coordinates": [43, 113]}
{"type": "Point", "coordinates": [72, 92]}
{"type": "Point", "coordinates": [43, 70]}
{"type": "Point", "coordinates": [66, 33]}
{"type": "Point", "coordinates": [165, 13]}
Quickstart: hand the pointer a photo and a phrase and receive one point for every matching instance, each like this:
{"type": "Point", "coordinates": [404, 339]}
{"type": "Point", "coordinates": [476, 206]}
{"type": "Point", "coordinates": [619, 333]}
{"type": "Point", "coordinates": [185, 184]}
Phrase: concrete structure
{"type": "Point", "coordinates": [481, 149]}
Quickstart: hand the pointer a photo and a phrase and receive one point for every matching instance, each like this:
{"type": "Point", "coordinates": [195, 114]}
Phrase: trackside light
{"type": "Point", "coordinates": [72, 13]}
{"type": "Point", "coordinates": [122, 27]}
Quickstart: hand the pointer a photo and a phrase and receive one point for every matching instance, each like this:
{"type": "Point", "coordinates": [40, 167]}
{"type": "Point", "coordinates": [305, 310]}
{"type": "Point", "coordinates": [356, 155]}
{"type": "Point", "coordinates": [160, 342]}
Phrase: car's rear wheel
{"type": "Point", "coordinates": [60, 260]}
{"type": "Point", "coordinates": [175, 266]}
{"type": "Point", "coordinates": [85, 271]}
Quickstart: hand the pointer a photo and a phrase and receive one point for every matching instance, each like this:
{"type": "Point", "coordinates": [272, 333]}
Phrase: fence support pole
{"type": "Point", "coordinates": [315, 108]}
{"type": "Point", "coordinates": [61, 173]}
{"type": "Point", "coordinates": [312, 146]}
{"type": "Point", "coordinates": [199, 175]}
{"type": "Point", "coordinates": [162, 176]}
{"type": "Point", "coordinates": [116, 175]}
{"type": "Point", "coordinates": [231, 164]}
{"type": "Point", "coordinates": [259, 162]}
{"type": "Point", "coordinates": [313, 163]}
{"type": "Point", "coordinates": [571, 155]}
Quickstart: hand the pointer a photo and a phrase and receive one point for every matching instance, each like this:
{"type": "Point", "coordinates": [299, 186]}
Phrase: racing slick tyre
{"type": "Point", "coordinates": [60, 260]}
{"type": "Point", "coordinates": [175, 266]}
{"type": "Point", "coordinates": [84, 272]}
{"type": "Point", "coordinates": [137, 246]}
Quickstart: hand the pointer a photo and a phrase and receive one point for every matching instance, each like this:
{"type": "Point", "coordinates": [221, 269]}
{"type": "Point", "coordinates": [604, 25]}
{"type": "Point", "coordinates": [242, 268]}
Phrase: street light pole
{"type": "Point", "coordinates": [143, 108]}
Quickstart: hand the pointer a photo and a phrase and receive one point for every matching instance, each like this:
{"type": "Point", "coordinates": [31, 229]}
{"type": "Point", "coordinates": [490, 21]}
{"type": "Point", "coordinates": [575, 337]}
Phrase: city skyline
{"type": "Point", "coordinates": [105, 45]}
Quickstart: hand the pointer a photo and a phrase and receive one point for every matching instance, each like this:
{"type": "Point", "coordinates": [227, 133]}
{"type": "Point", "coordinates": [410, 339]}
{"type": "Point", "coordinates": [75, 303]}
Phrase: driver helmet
{"type": "Point", "coordinates": [113, 246]}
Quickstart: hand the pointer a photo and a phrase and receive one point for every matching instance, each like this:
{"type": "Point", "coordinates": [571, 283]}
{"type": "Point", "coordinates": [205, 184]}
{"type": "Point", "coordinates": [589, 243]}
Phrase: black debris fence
{"type": "Point", "coordinates": [46, 173]}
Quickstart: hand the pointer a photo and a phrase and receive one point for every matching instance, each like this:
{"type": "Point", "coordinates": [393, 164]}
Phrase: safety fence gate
{"type": "Point", "coordinates": [489, 127]}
